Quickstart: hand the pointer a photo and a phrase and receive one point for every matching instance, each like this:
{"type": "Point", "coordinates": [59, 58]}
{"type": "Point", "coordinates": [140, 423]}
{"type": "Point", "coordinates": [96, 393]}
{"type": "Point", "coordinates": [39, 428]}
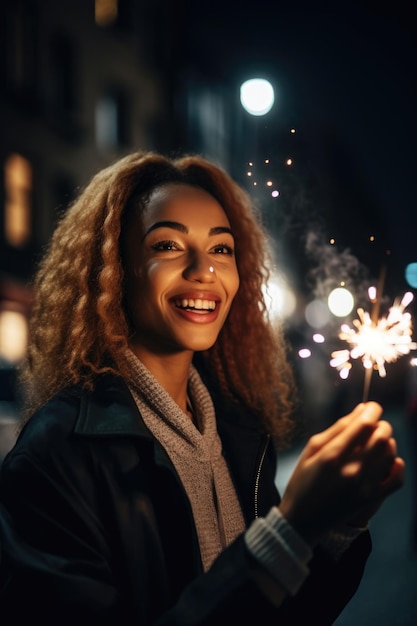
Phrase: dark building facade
{"type": "Point", "coordinates": [82, 82]}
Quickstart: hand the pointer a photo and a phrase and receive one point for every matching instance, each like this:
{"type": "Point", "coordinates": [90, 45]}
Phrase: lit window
{"type": "Point", "coordinates": [105, 12]}
{"type": "Point", "coordinates": [18, 201]}
{"type": "Point", "coordinates": [13, 336]}
{"type": "Point", "coordinates": [110, 123]}
{"type": "Point", "coordinates": [106, 123]}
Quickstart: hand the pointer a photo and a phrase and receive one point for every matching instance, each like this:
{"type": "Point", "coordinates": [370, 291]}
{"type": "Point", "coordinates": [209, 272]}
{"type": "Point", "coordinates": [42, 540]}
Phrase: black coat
{"type": "Point", "coordinates": [96, 527]}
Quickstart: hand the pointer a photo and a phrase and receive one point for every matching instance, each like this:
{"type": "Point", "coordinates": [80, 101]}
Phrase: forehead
{"type": "Point", "coordinates": [182, 203]}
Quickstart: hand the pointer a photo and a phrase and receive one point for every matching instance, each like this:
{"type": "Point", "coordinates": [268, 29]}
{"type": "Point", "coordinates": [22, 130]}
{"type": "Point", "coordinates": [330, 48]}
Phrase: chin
{"type": "Point", "coordinates": [199, 345]}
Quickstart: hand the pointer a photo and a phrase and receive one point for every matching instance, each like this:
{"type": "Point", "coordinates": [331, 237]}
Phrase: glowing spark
{"type": "Point", "coordinates": [376, 342]}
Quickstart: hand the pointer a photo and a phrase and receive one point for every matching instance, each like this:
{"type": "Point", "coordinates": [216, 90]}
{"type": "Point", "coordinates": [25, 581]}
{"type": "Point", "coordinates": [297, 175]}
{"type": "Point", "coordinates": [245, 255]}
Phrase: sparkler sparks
{"type": "Point", "coordinates": [376, 342]}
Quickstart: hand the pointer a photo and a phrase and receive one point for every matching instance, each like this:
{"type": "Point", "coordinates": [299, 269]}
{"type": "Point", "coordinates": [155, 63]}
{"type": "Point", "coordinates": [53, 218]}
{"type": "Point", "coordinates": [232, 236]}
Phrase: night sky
{"type": "Point", "coordinates": [345, 78]}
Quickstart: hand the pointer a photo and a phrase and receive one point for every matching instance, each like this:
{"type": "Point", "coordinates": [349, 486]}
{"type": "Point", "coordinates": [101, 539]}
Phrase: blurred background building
{"type": "Point", "coordinates": [82, 83]}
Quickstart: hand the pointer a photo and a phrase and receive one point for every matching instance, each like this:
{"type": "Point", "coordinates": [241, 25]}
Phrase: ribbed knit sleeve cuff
{"type": "Point", "coordinates": [279, 548]}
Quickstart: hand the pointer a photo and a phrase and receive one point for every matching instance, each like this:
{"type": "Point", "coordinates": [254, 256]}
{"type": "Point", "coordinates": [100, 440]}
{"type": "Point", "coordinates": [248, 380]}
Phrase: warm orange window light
{"type": "Point", "coordinates": [18, 192]}
{"type": "Point", "coordinates": [13, 336]}
{"type": "Point", "coordinates": [105, 12]}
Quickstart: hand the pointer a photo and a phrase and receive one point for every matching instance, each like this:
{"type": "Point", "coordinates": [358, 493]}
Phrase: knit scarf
{"type": "Point", "coordinates": [196, 454]}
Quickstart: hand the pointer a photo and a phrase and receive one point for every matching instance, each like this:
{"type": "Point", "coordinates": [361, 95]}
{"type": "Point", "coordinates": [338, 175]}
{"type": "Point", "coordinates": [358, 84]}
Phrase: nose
{"type": "Point", "coordinates": [200, 268]}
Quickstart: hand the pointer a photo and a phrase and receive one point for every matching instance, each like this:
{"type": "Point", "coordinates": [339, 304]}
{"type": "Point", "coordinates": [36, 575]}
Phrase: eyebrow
{"type": "Point", "coordinates": [216, 230]}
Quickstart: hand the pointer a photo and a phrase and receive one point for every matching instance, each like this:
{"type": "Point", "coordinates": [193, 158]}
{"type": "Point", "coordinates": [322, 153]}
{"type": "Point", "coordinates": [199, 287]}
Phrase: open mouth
{"type": "Point", "coordinates": [197, 304]}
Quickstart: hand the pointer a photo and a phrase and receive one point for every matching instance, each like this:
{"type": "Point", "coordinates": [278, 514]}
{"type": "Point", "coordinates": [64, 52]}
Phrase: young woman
{"type": "Point", "coordinates": [141, 489]}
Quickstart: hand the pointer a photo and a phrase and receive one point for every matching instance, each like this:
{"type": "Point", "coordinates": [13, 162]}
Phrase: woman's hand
{"type": "Point", "coordinates": [343, 474]}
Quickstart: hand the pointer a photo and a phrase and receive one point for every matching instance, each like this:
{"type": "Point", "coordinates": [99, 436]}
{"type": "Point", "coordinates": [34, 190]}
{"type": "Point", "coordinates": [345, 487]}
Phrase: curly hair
{"type": "Point", "coordinates": [79, 327]}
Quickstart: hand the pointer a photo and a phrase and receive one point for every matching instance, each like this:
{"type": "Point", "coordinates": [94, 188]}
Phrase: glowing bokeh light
{"type": "Point", "coordinates": [304, 353]}
{"type": "Point", "coordinates": [280, 300]}
{"type": "Point", "coordinates": [13, 336]}
{"type": "Point", "coordinates": [257, 96]}
{"type": "Point", "coordinates": [411, 274]}
{"type": "Point", "coordinates": [340, 302]}
{"type": "Point", "coordinates": [317, 314]}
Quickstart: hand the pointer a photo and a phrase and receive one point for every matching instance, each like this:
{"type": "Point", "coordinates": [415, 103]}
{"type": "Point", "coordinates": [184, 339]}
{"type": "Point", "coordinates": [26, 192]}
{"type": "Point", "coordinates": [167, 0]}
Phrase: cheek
{"type": "Point", "coordinates": [232, 288]}
{"type": "Point", "coordinates": [234, 283]}
{"type": "Point", "coordinates": [155, 279]}
{"type": "Point", "coordinates": [151, 290]}
{"type": "Point", "coordinates": [145, 277]}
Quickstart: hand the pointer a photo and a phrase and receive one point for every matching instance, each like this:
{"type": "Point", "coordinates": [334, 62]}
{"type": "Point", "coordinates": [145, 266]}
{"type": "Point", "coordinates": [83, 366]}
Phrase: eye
{"type": "Point", "coordinates": [165, 246]}
{"type": "Point", "coordinates": [223, 248]}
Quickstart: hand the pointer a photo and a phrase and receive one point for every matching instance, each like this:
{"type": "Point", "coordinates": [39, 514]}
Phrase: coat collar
{"type": "Point", "coordinates": [109, 410]}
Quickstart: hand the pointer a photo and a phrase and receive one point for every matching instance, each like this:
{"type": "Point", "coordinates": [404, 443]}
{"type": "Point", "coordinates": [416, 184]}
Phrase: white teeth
{"type": "Point", "coordinates": [198, 303]}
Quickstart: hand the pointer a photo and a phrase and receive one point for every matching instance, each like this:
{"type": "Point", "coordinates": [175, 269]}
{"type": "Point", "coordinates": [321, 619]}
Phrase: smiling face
{"type": "Point", "coordinates": [181, 273]}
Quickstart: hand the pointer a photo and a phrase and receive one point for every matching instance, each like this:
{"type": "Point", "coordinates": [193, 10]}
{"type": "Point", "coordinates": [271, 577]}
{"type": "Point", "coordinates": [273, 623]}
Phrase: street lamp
{"type": "Point", "coordinates": [257, 96]}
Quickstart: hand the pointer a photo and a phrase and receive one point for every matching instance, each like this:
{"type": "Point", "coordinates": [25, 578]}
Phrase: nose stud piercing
{"type": "Point", "coordinates": [211, 269]}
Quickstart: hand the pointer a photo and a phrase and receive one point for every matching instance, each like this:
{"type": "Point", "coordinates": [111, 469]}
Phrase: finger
{"type": "Point", "coordinates": [378, 454]}
{"type": "Point", "coordinates": [323, 437]}
{"type": "Point", "coordinates": [381, 433]}
{"type": "Point", "coordinates": [358, 431]}
{"type": "Point", "coordinates": [367, 413]}
{"type": "Point", "coordinates": [370, 411]}
{"type": "Point", "coordinates": [383, 429]}
{"type": "Point", "coordinates": [395, 479]}
{"type": "Point", "coordinates": [349, 432]}
{"type": "Point", "coordinates": [380, 450]}
{"type": "Point", "coordinates": [393, 446]}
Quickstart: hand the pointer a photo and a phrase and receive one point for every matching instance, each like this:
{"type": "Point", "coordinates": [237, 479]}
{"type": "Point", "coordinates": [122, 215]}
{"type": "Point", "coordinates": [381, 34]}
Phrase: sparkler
{"type": "Point", "coordinates": [376, 341]}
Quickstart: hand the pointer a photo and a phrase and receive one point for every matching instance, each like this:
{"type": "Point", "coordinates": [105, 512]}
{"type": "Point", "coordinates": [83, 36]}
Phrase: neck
{"type": "Point", "coordinates": [171, 371]}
